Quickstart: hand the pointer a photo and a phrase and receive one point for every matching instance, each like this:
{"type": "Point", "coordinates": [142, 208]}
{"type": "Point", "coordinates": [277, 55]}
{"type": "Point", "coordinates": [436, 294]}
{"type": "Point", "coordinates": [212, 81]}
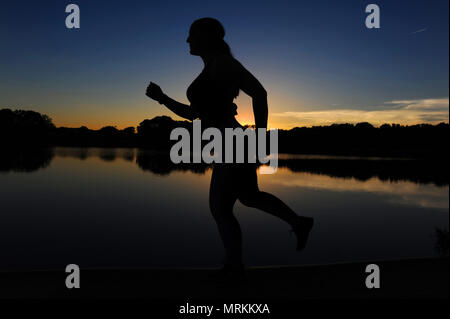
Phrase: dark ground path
{"type": "Point", "coordinates": [416, 278]}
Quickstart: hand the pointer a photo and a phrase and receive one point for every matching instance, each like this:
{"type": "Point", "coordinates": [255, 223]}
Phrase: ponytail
{"type": "Point", "coordinates": [224, 48]}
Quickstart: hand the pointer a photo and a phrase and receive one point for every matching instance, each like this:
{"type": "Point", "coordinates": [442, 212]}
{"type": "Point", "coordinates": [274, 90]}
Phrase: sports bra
{"type": "Point", "coordinates": [212, 99]}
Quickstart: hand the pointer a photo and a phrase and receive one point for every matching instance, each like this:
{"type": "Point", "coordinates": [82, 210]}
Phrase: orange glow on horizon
{"type": "Point", "coordinates": [412, 113]}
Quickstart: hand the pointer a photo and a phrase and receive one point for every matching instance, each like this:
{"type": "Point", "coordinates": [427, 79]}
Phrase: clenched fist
{"type": "Point", "coordinates": [154, 92]}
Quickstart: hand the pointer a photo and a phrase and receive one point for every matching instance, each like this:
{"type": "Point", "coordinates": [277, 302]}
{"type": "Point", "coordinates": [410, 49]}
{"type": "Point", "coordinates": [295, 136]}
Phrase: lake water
{"type": "Point", "coordinates": [133, 208]}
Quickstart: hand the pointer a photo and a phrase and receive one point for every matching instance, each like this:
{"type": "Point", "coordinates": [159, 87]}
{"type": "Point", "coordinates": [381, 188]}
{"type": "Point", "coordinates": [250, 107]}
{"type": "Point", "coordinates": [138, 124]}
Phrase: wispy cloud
{"type": "Point", "coordinates": [397, 111]}
{"type": "Point", "coordinates": [418, 31]}
{"type": "Point", "coordinates": [425, 104]}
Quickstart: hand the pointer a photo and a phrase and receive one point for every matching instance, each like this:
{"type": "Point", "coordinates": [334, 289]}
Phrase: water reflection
{"type": "Point", "coordinates": [402, 180]}
{"type": "Point", "coordinates": [400, 191]}
{"type": "Point", "coordinates": [361, 169]}
{"type": "Point", "coordinates": [160, 163]}
{"type": "Point", "coordinates": [25, 160]}
{"type": "Point", "coordinates": [131, 207]}
{"type": "Point", "coordinates": [106, 154]}
{"type": "Point", "coordinates": [390, 170]}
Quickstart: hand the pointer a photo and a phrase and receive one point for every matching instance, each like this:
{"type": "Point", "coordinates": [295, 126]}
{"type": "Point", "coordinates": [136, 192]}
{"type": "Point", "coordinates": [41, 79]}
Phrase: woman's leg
{"type": "Point", "coordinates": [270, 204]}
{"type": "Point", "coordinates": [250, 195]}
{"type": "Point", "coordinates": [222, 197]}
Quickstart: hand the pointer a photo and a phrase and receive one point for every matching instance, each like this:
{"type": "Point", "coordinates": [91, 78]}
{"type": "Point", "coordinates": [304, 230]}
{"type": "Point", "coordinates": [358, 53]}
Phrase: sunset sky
{"type": "Point", "coordinates": [316, 59]}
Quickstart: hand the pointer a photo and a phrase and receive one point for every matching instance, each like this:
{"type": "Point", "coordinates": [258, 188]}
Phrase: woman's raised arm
{"type": "Point", "coordinates": [183, 110]}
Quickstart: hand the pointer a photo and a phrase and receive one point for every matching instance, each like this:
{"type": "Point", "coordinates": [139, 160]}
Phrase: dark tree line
{"type": "Point", "coordinates": [25, 127]}
{"type": "Point", "coordinates": [421, 140]}
{"type": "Point", "coordinates": [20, 127]}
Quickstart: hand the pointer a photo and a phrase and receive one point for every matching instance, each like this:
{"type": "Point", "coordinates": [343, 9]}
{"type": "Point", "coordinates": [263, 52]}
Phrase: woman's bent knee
{"type": "Point", "coordinates": [249, 200]}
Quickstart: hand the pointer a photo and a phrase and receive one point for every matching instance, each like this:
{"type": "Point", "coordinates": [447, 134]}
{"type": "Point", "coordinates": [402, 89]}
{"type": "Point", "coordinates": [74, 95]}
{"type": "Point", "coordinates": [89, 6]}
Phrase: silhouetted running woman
{"type": "Point", "coordinates": [211, 97]}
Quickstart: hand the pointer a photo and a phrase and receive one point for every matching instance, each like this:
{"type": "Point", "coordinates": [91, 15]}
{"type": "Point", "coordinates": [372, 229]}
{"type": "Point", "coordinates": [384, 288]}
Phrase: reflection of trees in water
{"type": "Point", "coordinates": [386, 170]}
{"type": "Point", "coordinates": [160, 163]}
{"type": "Point", "coordinates": [108, 155]}
{"type": "Point", "coordinates": [26, 159]}
{"type": "Point", "coordinates": [105, 154]}
{"type": "Point", "coordinates": [111, 154]}
{"type": "Point", "coordinates": [418, 171]}
{"type": "Point", "coordinates": [83, 155]}
{"type": "Point", "coordinates": [128, 156]}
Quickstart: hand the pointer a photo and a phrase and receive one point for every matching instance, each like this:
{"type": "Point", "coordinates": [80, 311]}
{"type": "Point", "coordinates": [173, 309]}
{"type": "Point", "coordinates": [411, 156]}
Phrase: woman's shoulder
{"type": "Point", "coordinates": [224, 65]}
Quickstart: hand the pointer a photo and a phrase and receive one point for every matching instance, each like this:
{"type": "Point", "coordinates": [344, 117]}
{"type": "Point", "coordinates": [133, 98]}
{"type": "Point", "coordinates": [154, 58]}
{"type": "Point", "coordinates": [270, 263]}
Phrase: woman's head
{"type": "Point", "coordinates": [206, 35]}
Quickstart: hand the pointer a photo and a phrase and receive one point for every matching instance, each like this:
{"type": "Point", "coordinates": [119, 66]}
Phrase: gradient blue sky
{"type": "Point", "coordinates": [317, 60]}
